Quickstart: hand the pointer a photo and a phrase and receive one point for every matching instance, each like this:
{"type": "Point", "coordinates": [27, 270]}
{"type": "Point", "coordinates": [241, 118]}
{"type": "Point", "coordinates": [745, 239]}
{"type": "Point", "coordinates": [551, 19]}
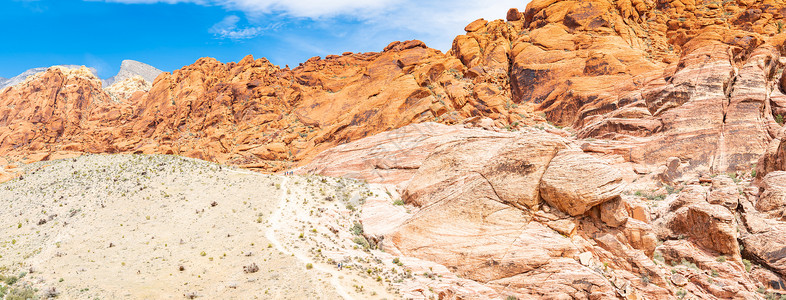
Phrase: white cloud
{"type": "Point", "coordinates": [294, 8]}
{"type": "Point", "coordinates": [227, 28]}
{"type": "Point", "coordinates": [438, 22]}
{"type": "Point", "coordinates": [434, 21]}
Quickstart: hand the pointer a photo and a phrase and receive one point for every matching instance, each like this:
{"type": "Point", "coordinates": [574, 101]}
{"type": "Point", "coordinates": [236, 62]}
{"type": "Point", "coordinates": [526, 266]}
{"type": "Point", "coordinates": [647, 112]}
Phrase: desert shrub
{"type": "Point", "coordinates": [357, 229]}
{"type": "Point", "coordinates": [361, 241]}
{"type": "Point", "coordinates": [252, 268]}
{"type": "Point", "coordinates": [747, 264]}
{"type": "Point", "coordinates": [21, 293]}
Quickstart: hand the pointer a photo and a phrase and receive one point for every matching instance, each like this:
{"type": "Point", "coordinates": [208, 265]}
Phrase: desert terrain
{"type": "Point", "coordinates": [164, 227]}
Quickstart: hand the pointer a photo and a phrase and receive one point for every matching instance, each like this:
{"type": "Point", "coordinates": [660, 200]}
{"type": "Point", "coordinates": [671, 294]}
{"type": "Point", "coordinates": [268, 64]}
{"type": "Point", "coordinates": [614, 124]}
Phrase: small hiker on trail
{"type": "Point", "coordinates": [339, 266]}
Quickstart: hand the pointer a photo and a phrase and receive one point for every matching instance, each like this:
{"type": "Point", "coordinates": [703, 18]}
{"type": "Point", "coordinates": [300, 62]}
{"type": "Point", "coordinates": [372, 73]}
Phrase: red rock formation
{"type": "Point", "coordinates": [256, 115]}
{"type": "Point", "coordinates": [61, 109]}
{"type": "Point", "coordinates": [696, 80]}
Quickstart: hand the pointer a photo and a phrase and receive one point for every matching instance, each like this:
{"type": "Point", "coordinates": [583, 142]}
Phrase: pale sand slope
{"type": "Point", "coordinates": [121, 226]}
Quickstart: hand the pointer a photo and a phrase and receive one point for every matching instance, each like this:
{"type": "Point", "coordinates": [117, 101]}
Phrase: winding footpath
{"type": "Point", "coordinates": [270, 234]}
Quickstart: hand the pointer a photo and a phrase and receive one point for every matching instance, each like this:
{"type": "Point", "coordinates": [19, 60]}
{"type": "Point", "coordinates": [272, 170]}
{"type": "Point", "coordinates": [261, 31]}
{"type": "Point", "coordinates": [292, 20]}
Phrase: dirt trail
{"type": "Point", "coordinates": [275, 223]}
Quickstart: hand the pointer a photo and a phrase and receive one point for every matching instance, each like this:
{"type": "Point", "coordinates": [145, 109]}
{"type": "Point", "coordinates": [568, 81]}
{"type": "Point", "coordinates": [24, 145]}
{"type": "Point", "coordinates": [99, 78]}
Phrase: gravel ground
{"type": "Point", "coordinates": [134, 226]}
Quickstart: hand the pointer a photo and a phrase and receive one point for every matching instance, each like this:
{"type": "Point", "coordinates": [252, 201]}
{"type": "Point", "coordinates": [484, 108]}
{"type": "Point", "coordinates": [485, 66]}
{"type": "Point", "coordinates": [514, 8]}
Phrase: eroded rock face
{"type": "Point", "coordinates": [132, 68]}
{"type": "Point", "coordinates": [490, 188]}
{"type": "Point", "coordinates": [633, 245]}
{"type": "Point", "coordinates": [676, 74]}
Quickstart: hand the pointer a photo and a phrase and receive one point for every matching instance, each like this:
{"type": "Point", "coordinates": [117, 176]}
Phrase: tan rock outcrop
{"type": "Point", "coordinates": [393, 156]}
{"type": "Point", "coordinates": [510, 168]}
{"type": "Point", "coordinates": [575, 182]}
{"type": "Point", "coordinates": [127, 88]}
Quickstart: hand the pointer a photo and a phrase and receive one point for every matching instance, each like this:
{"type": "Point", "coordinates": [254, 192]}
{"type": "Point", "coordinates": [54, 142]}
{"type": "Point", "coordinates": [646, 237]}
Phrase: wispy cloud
{"type": "Point", "coordinates": [434, 21]}
{"type": "Point", "coordinates": [228, 29]}
{"type": "Point", "coordinates": [33, 5]}
{"type": "Point", "coordinates": [294, 8]}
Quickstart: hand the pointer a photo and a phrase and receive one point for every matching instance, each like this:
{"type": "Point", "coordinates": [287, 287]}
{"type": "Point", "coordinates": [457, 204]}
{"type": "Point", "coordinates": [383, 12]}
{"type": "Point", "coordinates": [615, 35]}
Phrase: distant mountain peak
{"type": "Point", "coordinates": [130, 68]}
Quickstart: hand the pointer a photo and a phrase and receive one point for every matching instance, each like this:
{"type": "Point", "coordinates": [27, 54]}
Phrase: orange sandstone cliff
{"type": "Point", "coordinates": [665, 181]}
{"type": "Point", "coordinates": [697, 80]}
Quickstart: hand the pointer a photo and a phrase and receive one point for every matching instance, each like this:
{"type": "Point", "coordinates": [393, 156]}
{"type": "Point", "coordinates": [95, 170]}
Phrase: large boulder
{"type": "Point", "coordinates": [773, 196]}
{"type": "Point", "coordinates": [768, 247]}
{"type": "Point", "coordinates": [711, 226]}
{"type": "Point", "coordinates": [575, 182]}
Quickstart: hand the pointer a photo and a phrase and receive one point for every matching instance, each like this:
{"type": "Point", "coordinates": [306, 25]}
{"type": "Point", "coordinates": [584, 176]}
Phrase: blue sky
{"type": "Point", "coordinates": [169, 34]}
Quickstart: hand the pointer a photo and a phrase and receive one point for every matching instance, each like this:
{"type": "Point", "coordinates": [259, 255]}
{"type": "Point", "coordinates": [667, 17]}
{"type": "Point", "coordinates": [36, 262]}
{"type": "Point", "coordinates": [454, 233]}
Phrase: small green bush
{"type": "Point", "coordinates": [748, 265]}
{"type": "Point", "coordinates": [357, 229]}
{"type": "Point", "coordinates": [361, 241]}
{"type": "Point", "coordinates": [22, 293]}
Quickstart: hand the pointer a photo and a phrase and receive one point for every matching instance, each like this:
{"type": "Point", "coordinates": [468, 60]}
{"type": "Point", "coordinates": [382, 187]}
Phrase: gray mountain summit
{"type": "Point", "coordinates": [21, 77]}
{"type": "Point", "coordinates": [130, 68]}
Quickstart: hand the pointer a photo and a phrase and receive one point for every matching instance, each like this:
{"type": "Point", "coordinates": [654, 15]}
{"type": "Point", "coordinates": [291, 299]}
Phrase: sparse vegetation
{"type": "Point", "coordinates": [21, 293]}
{"type": "Point", "coordinates": [681, 294]}
{"type": "Point", "coordinates": [688, 264]}
{"type": "Point", "coordinates": [747, 264]}
{"type": "Point", "coordinates": [650, 196]}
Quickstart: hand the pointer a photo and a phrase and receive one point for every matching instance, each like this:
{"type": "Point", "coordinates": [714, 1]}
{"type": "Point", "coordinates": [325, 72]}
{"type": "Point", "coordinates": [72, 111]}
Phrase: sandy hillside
{"type": "Point", "coordinates": [163, 227]}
